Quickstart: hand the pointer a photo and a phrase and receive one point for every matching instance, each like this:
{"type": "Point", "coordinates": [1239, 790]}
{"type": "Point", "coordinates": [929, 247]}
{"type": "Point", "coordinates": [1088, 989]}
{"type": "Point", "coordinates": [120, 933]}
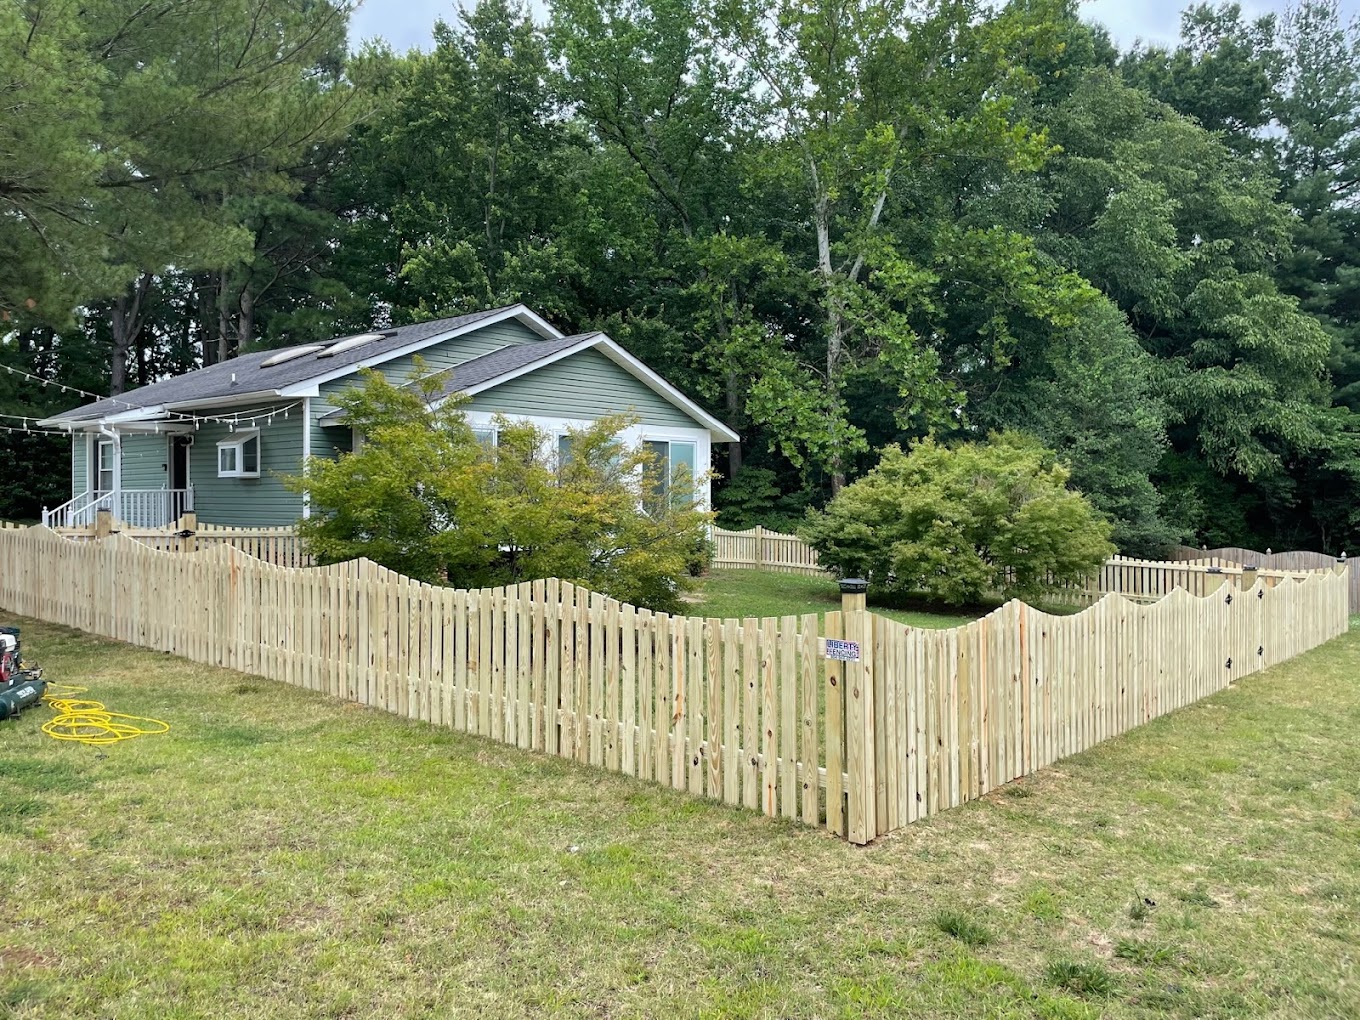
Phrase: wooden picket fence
{"type": "Point", "coordinates": [1297, 559]}
{"type": "Point", "coordinates": [750, 712]}
{"type": "Point", "coordinates": [761, 549]}
{"type": "Point", "coordinates": [973, 708]}
{"type": "Point", "coordinates": [280, 546]}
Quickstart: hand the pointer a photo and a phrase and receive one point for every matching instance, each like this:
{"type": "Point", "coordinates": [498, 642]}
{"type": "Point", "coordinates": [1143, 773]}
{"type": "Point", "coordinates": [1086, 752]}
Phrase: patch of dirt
{"type": "Point", "coordinates": [1101, 943]}
{"type": "Point", "coordinates": [19, 958]}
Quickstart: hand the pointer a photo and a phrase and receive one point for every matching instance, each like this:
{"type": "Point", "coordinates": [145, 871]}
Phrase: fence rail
{"type": "Point", "coordinates": [750, 712]}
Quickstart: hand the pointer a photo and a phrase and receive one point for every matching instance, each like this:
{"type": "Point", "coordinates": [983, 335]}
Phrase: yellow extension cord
{"type": "Point", "coordinates": [89, 722]}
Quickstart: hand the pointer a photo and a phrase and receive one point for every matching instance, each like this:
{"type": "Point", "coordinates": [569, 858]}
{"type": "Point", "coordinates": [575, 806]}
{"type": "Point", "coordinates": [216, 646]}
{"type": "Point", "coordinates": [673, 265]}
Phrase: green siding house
{"type": "Point", "coordinates": [215, 441]}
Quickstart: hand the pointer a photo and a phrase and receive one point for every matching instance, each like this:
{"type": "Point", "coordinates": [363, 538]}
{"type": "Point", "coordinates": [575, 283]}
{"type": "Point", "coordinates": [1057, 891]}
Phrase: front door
{"type": "Point", "coordinates": [179, 461]}
{"type": "Point", "coordinates": [179, 475]}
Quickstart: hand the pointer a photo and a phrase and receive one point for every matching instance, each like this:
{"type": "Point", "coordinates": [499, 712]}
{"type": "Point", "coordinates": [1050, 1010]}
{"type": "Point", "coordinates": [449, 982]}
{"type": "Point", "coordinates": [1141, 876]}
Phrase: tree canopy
{"type": "Point", "coordinates": [838, 225]}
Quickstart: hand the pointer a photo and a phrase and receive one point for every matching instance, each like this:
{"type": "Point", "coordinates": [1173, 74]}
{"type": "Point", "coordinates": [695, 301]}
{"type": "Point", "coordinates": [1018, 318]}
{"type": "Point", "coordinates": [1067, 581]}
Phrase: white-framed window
{"type": "Point", "coordinates": [108, 454]}
{"type": "Point", "coordinates": [238, 456]}
{"type": "Point", "coordinates": [484, 434]}
{"type": "Point", "coordinates": [676, 461]}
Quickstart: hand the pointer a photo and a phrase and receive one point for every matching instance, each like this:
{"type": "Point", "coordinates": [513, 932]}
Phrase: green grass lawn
{"type": "Point", "coordinates": [280, 854]}
{"type": "Point", "coordinates": [743, 593]}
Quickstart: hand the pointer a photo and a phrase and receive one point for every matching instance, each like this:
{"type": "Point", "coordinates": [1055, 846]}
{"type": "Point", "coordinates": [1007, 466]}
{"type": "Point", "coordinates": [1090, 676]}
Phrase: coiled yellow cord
{"type": "Point", "coordinates": [89, 722]}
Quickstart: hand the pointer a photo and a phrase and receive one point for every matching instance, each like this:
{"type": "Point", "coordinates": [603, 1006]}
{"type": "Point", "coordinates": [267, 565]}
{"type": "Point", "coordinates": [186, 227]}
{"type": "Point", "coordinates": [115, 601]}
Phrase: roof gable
{"type": "Point", "coordinates": [503, 367]}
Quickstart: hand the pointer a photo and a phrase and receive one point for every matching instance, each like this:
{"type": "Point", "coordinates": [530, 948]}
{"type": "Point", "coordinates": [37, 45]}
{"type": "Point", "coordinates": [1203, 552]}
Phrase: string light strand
{"type": "Point", "coordinates": [236, 418]}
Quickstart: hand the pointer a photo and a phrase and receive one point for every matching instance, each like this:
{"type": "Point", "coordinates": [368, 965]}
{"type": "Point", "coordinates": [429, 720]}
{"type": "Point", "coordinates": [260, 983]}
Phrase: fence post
{"type": "Point", "coordinates": [860, 736]}
{"type": "Point", "coordinates": [1352, 587]}
{"type": "Point", "coordinates": [188, 522]}
{"type": "Point", "coordinates": [760, 546]}
{"type": "Point", "coordinates": [103, 523]}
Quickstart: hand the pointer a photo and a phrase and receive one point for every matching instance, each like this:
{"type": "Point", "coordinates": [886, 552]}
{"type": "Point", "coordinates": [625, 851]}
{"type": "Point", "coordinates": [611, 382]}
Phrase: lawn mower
{"type": "Point", "coordinates": [21, 686]}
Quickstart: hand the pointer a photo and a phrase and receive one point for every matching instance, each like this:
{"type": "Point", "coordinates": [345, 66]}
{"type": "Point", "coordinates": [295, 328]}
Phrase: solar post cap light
{"type": "Point", "coordinates": [854, 586]}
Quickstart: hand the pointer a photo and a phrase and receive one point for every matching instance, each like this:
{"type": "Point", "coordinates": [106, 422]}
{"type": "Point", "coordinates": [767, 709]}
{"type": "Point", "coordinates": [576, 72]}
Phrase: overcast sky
{"type": "Point", "coordinates": [407, 23]}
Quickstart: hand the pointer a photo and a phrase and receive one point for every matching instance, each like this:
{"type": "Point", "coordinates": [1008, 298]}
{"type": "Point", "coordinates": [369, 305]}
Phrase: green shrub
{"type": "Point", "coordinates": [957, 524]}
{"type": "Point", "coordinates": [424, 497]}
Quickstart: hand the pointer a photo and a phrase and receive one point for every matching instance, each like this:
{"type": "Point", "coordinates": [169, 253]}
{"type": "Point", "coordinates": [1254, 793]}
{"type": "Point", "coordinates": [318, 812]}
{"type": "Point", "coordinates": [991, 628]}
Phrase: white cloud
{"type": "Point", "coordinates": [1159, 21]}
{"type": "Point", "coordinates": [403, 23]}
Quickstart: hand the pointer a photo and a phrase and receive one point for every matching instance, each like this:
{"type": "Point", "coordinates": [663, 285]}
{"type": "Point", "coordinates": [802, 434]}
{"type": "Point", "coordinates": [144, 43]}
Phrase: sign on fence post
{"type": "Point", "coordinates": [842, 651]}
{"type": "Point", "coordinates": [859, 691]}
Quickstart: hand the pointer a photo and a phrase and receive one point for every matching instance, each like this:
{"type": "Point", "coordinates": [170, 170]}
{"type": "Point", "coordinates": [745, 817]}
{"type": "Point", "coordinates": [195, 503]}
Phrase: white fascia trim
{"type": "Point", "coordinates": [159, 427]}
{"type": "Point", "coordinates": [73, 422]}
{"type": "Point", "coordinates": [133, 415]}
{"type": "Point", "coordinates": [545, 329]}
{"type": "Point", "coordinates": [632, 366]}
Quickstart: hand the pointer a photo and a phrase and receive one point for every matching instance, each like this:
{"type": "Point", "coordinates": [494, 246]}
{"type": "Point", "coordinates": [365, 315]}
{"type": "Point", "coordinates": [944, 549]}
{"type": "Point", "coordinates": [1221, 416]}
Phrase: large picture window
{"type": "Point", "coordinates": [677, 466]}
{"type": "Point", "coordinates": [239, 456]}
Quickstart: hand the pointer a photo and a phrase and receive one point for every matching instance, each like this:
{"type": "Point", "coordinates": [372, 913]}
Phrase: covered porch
{"type": "Point", "coordinates": [137, 471]}
{"type": "Point", "coordinates": [139, 508]}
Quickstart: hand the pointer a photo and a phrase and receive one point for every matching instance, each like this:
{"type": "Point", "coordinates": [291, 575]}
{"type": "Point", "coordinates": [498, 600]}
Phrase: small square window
{"type": "Point", "coordinates": [239, 456]}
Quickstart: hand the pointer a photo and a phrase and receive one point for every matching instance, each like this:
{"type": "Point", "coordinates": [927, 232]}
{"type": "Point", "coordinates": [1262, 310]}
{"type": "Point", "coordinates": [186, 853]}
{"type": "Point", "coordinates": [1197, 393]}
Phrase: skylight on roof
{"type": "Point", "coordinates": [349, 343]}
{"type": "Point", "coordinates": [290, 354]}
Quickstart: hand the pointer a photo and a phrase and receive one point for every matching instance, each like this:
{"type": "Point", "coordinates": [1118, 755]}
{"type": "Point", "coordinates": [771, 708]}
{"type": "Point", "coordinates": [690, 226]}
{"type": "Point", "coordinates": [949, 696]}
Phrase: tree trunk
{"type": "Point", "coordinates": [223, 319]}
{"type": "Point", "coordinates": [835, 319]}
{"type": "Point", "coordinates": [206, 342]}
{"type": "Point", "coordinates": [733, 419]}
{"type": "Point", "coordinates": [125, 323]}
{"type": "Point", "coordinates": [245, 322]}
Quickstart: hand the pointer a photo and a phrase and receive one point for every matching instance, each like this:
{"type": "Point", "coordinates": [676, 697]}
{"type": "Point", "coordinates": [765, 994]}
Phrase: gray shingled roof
{"type": "Point", "coordinates": [215, 381]}
{"type": "Point", "coordinates": [488, 367]}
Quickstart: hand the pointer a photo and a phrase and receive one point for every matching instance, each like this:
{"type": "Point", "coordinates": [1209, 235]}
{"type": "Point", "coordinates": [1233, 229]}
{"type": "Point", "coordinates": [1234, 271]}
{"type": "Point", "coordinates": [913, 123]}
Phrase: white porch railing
{"type": "Point", "coordinates": [140, 508]}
